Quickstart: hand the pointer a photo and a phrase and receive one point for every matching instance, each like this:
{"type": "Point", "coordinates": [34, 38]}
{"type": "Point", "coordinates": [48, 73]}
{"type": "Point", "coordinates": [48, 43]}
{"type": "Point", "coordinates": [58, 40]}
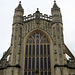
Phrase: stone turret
{"type": "Point", "coordinates": [18, 16]}
{"type": "Point", "coordinates": [16, 35]}
{"type": "Point", "coordinates": [56, 14]}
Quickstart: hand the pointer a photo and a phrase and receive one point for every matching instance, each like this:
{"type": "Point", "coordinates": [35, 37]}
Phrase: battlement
{"type": "Point", "coordinates": [34, 16]}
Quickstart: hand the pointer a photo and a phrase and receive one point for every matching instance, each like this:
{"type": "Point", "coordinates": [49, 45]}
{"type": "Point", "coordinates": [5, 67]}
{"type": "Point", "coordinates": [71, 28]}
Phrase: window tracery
{"type": "Point", "coordinates": [37, 54]}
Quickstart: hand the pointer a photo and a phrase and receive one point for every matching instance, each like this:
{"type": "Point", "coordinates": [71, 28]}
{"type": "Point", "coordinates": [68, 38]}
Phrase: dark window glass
{"type": "Point", "coordinates": [25, 73]}
{"type": "Point", "coordinates": [33, 49]}
{"type": "Point", "coordinates": [45, 63]}
{"type": "Point", "coordinates": [29, 49]}
{"type": "Point", "coordinates": [44, 40]}
{"type": "Point", "coordinates": [37, 49]}
{"type": "Point", "coordinates": [33, 63]}
{"type": "Point", "coordinates": [26, 63]}
{"type": "Point", "coordinates": [48, 49]}
{"type": "Point", "coordinates": [44, 49]}
{"type": "Point", "coordinates": [32, 73]}
{"type": "Point", "coordinates": [37, 62]}
{"type": "Point", "coordinates": [48, 62]}
{"type": "Point", "coordinates": [49, 73]}
{"type": "Point", "coordinates": [29, 73]}
{"type": "Point", "coordinates": [41, 73]}
{"type": "Point", "coordinates": [29, 63]}
{"type": "Point", "coordinates": [41, 63]}
{"type": "Point", "coordinates": [26, 49]}
{"type": "Point", "coordinates": [45, 73]}
{"type": "Point", "coordinates": [41, 49]}
{"type": "Point", "coordinates": [37, 39]}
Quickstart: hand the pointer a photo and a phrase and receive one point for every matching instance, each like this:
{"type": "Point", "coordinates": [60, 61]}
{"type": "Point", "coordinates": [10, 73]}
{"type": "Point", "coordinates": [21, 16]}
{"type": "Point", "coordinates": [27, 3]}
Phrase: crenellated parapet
{"type": "Point", "coordinates": [33, 16]}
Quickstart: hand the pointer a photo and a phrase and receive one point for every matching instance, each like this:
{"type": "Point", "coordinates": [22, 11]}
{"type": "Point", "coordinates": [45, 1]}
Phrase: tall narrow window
{"type": "Point", "coordinates": [37, 39]}
{"type": "Point", "coordinates": [29, 63]}
{"type": "Point", "coordinates": [29, 73]}
{"type": "Point", "coordinates": [37, 63]}
{"type": "Point", "coordinates": [25, 73]}
{"type": "Point", "coordinates": [48, 48]}
{"type": "Point", "coordinates": [48, 62]}
{"type": "Point", "coordinates": [45, 63]}
{"type": "Point", "coordinates": [26, 50]}
{"type": "Point", "coordinates": [33, 49]}
{"type": "Point", "coordinates": [32, 73]}
{"type": "Point", "coordinates": [45, 73]}
{"type": "Point", "coordinates": [26, 63]}
{"type": "Point", "coordinates": [41, 73]}
{"type": "Point", "coordinates": [29, 49]}
{"type": "Point", "coordinates": [37, 49]}
{"type": "Point", "coordinates": [41, 63]}
{"type": "Point", "coordinates": [41, 49]}
{"type": "Point", "coordinates": [49, 73]}
{"type": "Point", "coordinates": [33, 63]}
{"type": "Point", "coordinates": [44, 49]}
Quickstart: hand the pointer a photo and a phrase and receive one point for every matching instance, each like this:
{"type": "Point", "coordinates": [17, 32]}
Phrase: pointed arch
{"type": "Point", "coordinates": [38, 47]}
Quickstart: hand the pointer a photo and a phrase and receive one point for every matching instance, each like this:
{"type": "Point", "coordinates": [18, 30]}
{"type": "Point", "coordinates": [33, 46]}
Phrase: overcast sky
{"type": "Point", "coordinates": [7, 11]}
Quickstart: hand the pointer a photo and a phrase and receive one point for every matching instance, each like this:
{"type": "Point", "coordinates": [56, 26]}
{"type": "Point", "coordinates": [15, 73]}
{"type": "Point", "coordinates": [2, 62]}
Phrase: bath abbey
{"type": "Point", "coordinates": [37, 45]}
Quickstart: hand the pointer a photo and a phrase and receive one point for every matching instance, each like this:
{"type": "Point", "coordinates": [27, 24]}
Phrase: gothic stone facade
{"type": "Point", "coordinates": [37, 45]}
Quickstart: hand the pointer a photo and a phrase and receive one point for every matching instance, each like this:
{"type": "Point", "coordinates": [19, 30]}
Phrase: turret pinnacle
{"type": "Point", "coordinates": [18, 16]}
{"type": "Point", "coordinates": [55, 4]}
{"type": "Point", "coordinates": [19, 6]}
{"type": "Point", "coordinates": [54, 1]}
{"type": "Point", "coordinates": [56, 13]}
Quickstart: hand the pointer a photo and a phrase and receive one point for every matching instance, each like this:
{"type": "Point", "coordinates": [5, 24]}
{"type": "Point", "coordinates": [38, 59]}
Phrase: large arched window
{"type": "Point", "coordinates": [37, 55]}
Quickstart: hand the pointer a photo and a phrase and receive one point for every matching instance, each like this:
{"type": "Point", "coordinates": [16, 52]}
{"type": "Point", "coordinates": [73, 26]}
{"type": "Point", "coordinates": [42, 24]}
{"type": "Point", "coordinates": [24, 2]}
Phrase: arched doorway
{"type": "Point", "coordinates": [37, 55]}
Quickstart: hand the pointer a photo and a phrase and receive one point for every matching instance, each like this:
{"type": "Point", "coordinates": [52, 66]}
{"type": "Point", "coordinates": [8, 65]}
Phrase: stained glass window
{"type": "Point", "coordinates": [41, 73]}
{"type": "Point", "coordinates": [37, 54]}
{"type": "Point", "coordinates": [41, 63]}
{"type": "Point", "coordinates": [44, 49]}
{"type": "Point", "coordinates": [29, 49]}
{"type": "Point", "coordinates": [26, 49]}
{"type": "Point", "coordinates": [32, 73]}
{"type": "Point", "coordinates": [33, 49]}
{"type": "Point", "coordinates": [25, 73]}
{"type": "Point", "coordinates": [48, 48]}
{"type": "Point", "coordinates": [37, 49]}
{"type": "Point", "coordinates": [29, 63]}
{"type": "Point", "coordinates": [37, 62]}
{"type": "Point", "coordinates": [29, 73]}
{"type": "Point", "coordinates": [48, 62]}
{"type": "Point", "coordinates": [41, 49]}
{"type": "Point", "coordinates": [33, 63]}
{"type": "Point", "coordinates": [45, 63]}
{"type": "Point", "coordinates": [49, 73]}
{"type": "Point", "coordinates": [26, 63]}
